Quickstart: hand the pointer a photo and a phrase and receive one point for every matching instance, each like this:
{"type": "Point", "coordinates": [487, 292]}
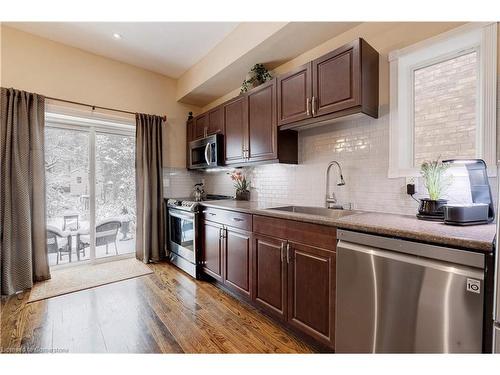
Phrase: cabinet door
{"type": "Point", "coordinates": [215, 121]}
{"type": "Point", "coordinates": [311, 291]}
{"type": "Point", "coordinates": [211, 260]}
{"type": "Point", "coordinates": [294, 95]}
{"type": "Point", "coordinates": [235, 130]}
{"type": "Point", "coordinates": [200, 123]}
{"type": "Point", "coordinates": [262, 128]}
{"type": "Point", "coordinates": [270, 280]}
{"type": "Point", "coordinates": [189, 138]}
{"type": "Point", "coordinates": [336, 80]}
{"type": "Point", "coordinates": [189, 131]}
{"type": "Point", "coordinates": [237, 260]}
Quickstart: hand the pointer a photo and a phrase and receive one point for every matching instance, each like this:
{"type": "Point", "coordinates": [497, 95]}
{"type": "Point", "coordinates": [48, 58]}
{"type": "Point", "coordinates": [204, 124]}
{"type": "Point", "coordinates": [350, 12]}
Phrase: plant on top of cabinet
{"type": "Point", "coordinates": [255, 77]}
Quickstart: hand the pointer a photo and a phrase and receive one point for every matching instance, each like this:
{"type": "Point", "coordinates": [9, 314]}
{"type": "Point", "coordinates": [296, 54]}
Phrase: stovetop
{"type": "Point", "coordinates": [189, 204]}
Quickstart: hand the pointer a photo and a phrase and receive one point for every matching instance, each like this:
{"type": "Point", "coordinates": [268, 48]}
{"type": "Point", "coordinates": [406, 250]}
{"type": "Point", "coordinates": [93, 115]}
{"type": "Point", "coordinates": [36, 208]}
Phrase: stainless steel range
{"type": "Point", "coordinates": [183, 245]}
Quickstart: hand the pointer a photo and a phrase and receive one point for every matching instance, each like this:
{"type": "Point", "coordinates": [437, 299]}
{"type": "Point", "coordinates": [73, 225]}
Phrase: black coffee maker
{"type": "Point", "coordinates": [481, 210]}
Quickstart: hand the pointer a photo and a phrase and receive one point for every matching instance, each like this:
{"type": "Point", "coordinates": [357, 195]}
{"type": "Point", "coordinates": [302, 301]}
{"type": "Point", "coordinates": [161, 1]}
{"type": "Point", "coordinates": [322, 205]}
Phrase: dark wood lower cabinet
{"type": "Point", "coordinates": [238, 260]}
{"type": "Point", "coordinates": [270, 278]}
{"type": "Point", "coordinates": [277, 271]}
{"type": "Point", "coordinates": [311, 291]}
{"type": "Point", "coordinates": [212, 247]}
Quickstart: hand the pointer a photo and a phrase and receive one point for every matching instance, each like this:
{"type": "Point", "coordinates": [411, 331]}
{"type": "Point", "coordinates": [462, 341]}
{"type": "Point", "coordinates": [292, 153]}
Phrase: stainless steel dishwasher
{"type": "Point", "coordinates": [397, 296]}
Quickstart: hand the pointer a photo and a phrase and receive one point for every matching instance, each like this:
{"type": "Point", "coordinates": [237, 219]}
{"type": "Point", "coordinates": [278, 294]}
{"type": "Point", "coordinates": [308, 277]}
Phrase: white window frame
{"type": "Point", "coordinates": [92, 123]}
{"type": "Point", "coordinates": [480, 37]}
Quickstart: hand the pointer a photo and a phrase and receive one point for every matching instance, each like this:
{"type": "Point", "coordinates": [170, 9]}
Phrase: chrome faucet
{"type": "Point", "coordinates": [330, 199]}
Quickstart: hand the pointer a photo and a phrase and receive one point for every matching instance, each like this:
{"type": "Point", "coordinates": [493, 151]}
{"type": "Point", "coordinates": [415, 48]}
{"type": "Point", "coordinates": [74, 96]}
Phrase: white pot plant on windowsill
{"type": "Point", "coordinates": [437, 181]}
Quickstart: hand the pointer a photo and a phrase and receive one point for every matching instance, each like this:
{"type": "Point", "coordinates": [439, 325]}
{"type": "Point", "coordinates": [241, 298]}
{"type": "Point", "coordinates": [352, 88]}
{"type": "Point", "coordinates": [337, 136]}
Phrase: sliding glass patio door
{"type": "Point", "coordinates": [90, 190]}
{"type": "Point", "coordinates": [115, 194]}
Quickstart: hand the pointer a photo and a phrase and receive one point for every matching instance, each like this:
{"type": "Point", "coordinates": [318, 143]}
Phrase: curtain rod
{"type": "Point", "coordinates": [164, 117]}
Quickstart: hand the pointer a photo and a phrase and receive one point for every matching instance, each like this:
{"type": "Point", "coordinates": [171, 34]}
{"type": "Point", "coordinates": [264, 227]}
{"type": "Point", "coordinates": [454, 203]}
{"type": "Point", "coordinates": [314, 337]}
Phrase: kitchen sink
{"type": "Point", "coordinates": [318, 211]}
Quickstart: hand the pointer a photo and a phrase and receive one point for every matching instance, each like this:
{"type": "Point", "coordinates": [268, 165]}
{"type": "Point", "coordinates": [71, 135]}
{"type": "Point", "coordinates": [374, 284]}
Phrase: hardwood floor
{"type": "Point", "coordinates": [165, 312]}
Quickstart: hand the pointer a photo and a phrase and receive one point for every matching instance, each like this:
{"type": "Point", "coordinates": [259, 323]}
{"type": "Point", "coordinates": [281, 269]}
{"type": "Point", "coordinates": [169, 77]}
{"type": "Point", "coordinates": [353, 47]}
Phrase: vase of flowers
{"type": "Point", "coordinates": [437, 182]}
{"type": "Point", "coordinates": [242, 186]}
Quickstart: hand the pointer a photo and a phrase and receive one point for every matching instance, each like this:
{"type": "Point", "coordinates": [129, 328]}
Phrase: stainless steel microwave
{"type": "Point", "coordinates": [206, 152]}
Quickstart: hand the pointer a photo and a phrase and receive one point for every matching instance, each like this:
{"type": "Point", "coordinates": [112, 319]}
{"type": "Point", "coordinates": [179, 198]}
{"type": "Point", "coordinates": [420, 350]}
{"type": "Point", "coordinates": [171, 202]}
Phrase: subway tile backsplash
{"type": "Point", "coordinates": [179, 182]}
{"type": "Point", "coordinates": [360, 145]}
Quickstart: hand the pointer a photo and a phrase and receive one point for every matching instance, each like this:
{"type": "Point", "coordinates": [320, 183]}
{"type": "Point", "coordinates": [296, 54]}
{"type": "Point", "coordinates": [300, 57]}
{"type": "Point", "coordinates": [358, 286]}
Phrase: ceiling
{"type": "Point", "coordinates": [287, 43]}
{"type": "Point", "coordinates": [174, 48]}
{"type": "Point", "coordinates": [169, 48]}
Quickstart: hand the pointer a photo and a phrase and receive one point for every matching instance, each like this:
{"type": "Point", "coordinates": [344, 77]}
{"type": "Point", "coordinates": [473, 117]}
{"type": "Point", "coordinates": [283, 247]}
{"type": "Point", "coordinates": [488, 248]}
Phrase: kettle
{"type": "Point", "coordinates": [199, 192]}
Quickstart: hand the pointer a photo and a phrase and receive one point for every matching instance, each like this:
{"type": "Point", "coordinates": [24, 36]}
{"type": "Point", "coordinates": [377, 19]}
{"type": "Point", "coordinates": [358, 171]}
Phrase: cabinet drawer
{"type": "Point", "coordinates": [229, 218]}
{"type": "Point", "coordinates": [322, 236]}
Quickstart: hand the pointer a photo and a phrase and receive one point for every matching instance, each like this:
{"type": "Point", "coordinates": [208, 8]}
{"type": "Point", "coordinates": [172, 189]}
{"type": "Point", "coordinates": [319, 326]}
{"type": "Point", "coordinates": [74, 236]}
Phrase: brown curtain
{"type": "Point", "coordinates": [149, 187]}
{"type": "Point", "coordinates": [23, 255]}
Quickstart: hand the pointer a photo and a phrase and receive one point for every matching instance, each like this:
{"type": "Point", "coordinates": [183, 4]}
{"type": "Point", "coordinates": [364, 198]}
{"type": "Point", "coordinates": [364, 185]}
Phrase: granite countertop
{"type": "Point", "coordinates": [477, 237]}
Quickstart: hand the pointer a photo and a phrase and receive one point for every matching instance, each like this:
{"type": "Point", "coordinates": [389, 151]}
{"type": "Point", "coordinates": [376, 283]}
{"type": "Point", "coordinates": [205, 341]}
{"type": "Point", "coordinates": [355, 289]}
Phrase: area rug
{"type": "Point", "coordinates": [73, 279]}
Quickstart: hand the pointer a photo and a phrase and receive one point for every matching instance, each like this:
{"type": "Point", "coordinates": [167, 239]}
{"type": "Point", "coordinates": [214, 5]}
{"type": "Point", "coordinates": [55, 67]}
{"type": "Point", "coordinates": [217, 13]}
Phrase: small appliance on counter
{"type": "Point", "coordinates": [199, 192]}
{"type": "Point", "coordinates": [481, 210]}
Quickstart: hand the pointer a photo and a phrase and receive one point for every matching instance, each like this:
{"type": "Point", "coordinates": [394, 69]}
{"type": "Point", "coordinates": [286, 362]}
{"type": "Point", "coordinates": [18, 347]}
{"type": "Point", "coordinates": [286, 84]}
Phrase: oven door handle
{"type": "Point", "coordinates": [181, 215]}
{"type": "Point", "coordinates": [207, 151]}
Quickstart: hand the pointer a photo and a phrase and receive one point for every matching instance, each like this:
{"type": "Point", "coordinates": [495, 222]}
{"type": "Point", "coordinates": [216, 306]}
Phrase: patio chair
{"type": "Point", "coordinates": [58, 242]}
{"type": "Point", "coordinates": [106, 233]}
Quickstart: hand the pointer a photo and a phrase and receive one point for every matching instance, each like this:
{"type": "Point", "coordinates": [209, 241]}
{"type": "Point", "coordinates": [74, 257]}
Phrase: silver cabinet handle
{"type": "Point", "coordinates": [237, 219]}
{"type": "Point", "coordinates": [313, 105]}
{"type": "Point", "coordinates": [287, 252]}
{"type": "Point", "coordinates": [282, 252]}
{"type": "Point", "coordinates": [307, 106]}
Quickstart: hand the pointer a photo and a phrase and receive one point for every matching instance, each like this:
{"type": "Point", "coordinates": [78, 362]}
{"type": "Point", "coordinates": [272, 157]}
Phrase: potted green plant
{"type": "Point", "coordinates": [255, 77]}
{"type": "Point", "coordinates": [437, 181]}
{"type": "Point", "coordinates": [242, 186]}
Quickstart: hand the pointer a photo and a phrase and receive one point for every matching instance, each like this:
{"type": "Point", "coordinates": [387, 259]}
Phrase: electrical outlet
{"type": "Point", "coordinates": [411, 180]}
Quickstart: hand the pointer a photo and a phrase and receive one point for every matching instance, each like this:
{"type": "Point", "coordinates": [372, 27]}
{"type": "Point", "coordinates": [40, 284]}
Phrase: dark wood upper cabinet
{"type": "Point", "coordinates": [258, 126]}
{"type": "Point", "coordinates": [235, 130]}
{"type": "Point", "coordinates": [311, 291]}
{"type": "Point", "coordinates": [212, 248]}
{"type": "Point", "coordinates": [340, 83]}
{"type": "Point", "coordinates": [345, 81]}
{"type": "Point", "coordinates": [251, 129]}
{"type": "Point", "coordinates": [294, 95]}
{"type": "Point", "coordinates": [189, 138]}
{"type": "Point", "coordinates": [270, 278]}
{"type": "Point", "coordinates": [215, 121]}
{"type": "Point", "coordinates": [262, 128]}
{"type": "Point", "coordinates": [237, 260]}
{"type": "Point", "coordinates": [189, 131]}
{"type": "Point", "coordinates": [336, 80]}
{"type": "Point", "coordinates": [200, 125]}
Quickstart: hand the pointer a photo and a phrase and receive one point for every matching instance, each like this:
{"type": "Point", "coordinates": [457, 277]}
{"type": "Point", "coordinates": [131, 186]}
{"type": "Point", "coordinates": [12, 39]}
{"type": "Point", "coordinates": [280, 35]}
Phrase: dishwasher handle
{"type": "Point", "coordinates": [412, 259]}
